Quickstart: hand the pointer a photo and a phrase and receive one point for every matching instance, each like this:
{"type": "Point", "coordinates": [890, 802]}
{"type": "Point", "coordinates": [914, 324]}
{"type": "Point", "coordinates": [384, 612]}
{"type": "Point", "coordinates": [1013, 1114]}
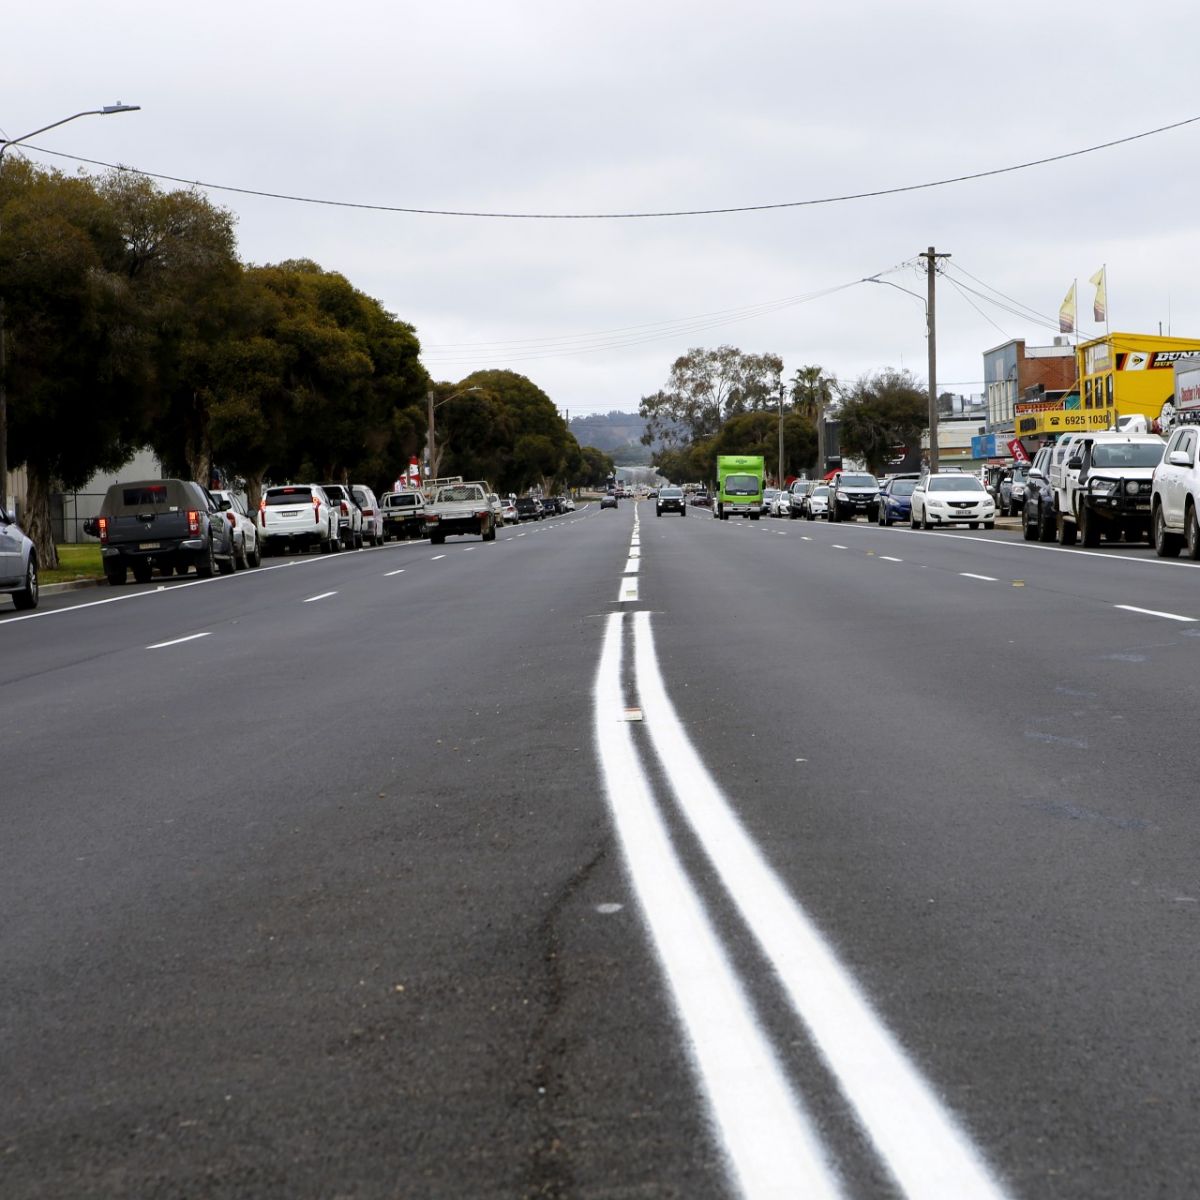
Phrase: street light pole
{"type": "Point", "coordinates": [431, 406]}
{"type": "Point", "coordinates": [5, 143]}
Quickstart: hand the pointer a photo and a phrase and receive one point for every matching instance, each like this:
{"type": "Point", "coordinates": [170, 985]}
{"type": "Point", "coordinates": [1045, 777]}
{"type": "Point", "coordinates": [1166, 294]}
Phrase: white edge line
{"type": "Point", "coordinates": [919, 1141]}
{"type": "Point", "coordinates": [178, 641]}
{"type": "Point", "coordinates": [1151, 612]}
{"type": "Point", "coordinates": [771, 1147]}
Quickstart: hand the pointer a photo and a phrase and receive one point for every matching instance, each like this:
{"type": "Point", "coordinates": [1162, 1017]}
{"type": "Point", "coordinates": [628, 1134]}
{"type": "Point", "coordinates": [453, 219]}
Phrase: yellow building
{"type": "Point", "coordinates": [1130, 373]}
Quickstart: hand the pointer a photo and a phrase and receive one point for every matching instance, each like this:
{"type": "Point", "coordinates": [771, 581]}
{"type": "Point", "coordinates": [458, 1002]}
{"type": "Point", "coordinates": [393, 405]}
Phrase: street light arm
{"type": "Point", "coordinates": [107, 110]}
{"type": "Point", "coordinates": [889, 283]}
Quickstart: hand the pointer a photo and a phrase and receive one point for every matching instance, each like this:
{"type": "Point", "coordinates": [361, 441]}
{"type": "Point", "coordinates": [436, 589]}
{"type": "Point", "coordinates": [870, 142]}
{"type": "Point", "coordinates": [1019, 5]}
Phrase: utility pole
{"type": "Point", "coordinates": [780, 480]}
{"type": "Point", "coordinates": [931, 256]}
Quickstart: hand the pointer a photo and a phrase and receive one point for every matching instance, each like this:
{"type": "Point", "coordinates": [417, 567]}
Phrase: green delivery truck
{"type": "Point", "coordinates": [739, 486]}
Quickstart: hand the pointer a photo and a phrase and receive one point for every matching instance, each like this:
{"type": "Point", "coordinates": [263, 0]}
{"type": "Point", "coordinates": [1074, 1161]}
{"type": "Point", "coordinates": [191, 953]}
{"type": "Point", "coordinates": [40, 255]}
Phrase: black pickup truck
{"type": "Point", "coordinates": [172, 524]}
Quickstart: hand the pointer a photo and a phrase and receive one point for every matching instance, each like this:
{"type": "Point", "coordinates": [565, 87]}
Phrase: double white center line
{"type": "Point", "coordinates": [772, 1146]}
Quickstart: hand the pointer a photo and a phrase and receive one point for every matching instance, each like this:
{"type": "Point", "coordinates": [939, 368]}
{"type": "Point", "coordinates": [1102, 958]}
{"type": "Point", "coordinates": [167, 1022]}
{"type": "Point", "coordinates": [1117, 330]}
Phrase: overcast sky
{"type": "Point", "coordinates": [581, 107]}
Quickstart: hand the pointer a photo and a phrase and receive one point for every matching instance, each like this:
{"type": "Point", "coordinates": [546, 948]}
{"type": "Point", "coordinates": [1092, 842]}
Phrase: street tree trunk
{"type": "Point", "coordinates": [37, 516]}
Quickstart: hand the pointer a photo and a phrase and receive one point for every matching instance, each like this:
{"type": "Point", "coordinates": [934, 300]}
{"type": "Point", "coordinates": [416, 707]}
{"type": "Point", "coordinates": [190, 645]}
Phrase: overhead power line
{"type": "Point", "coordinates": [612, 216]}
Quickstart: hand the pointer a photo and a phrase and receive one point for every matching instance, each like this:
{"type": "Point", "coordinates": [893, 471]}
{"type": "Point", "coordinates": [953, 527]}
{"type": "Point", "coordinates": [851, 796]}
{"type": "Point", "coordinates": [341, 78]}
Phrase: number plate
{"type": "Point", "coordinates": [149, 545]}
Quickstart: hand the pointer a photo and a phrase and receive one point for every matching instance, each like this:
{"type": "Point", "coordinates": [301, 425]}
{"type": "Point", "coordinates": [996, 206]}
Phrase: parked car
{"type": "Point", "coordinates": [853, 494]}
{"type": "Point", "coordinates": [816, 501]}
{"type": "Point", "coordinates": [372, 514]}
{"type": "Point", "coordinates": [1037, 508]}
{"type": "Point", "coordinates": [895, 501]}
{"type": "Point", "coordinates": [247, 552]}
{"type": "Point", "coordinates": [951, 498]}
{"type": "Point", "coordinates": [1176, 493]}
{"type": "Point", "coordinates": [18, 563]}
{"type": "Point", "coordinates": [568, 504]}
{"type": "Point", "coordinates": [768, 500]}
{"type": "Point", "coordinates": [350, 517]}
{"type": "Point", "coordinates": [168, 524]}
{"type": "Point", "coordinates": [702, 499]}
{"type": "Point", "coordinates": [299, 515]}
{"type": "Point", "coordinates": [670, 500]}
{"type": "Point", "coordinates": [403, 514]}
{"type": "Point", "coordinates": [508, 511]}
{"type": "Point", "coordinates": [609, 500]}
{"type": "Point", "coordinates": [529, 508]}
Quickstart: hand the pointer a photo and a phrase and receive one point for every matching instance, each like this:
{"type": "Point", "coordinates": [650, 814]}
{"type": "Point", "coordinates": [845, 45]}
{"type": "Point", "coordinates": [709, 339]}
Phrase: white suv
{"type": "Point", "coordinates": [300, 515]}
{"type": "Point", "coordinates": [1175, 494]}
{"type": "Point", "coordinates": [246, 550]}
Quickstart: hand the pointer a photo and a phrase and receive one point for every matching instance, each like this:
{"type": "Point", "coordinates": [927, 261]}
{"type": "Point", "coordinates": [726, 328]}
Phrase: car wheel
{"type": "Point", "coordinates": [1191, 533]}
{"type": "Point", "coordinates": [1028, 531]}
{"type": "Point", "coordinates": [1166, 544]}
{"type": "Point", "coordinates": [358, 540]}
{"type": "Point", "coordinates": [115, 573]}
{"type": "Point", "coordinates": [227, 566]}
{"type": "Point", "coordinates": [206, 568]}
{"type": "Point", "coordinates": [255, 559]}
{"type": "Point", "coordinates": [142, 572]}
{"type": "Point", "coordinates": [912, 519]}
{"type": "Point", "coordinates": [240, 559]}
{"type": "Point", "coordinates": [989, 524]}
{"type": "Point", "coordinates": [973, 524]}
{"type": "Point", "coordinates": [1088, 533]}
{"type": "Point", "coordinates": [27, 597]}
{"type": "Point", "coordinates": [1045, 525]}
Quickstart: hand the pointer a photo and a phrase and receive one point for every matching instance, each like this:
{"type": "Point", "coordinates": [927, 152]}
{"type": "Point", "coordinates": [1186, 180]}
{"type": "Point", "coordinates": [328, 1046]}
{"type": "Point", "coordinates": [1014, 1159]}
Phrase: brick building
{"type": "Point", "coordinates": [1015, 372]}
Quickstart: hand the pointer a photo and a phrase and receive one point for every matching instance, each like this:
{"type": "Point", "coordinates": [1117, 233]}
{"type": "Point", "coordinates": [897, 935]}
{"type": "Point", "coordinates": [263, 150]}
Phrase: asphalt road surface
{"type": "Point", "coordinates": [621, 857]}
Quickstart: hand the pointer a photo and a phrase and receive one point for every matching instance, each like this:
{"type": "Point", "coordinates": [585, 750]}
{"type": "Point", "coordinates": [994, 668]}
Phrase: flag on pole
{"type": "Point", "coordinates": [1066, 313]}
{"type": "Point", "coordinates": [1100, 308]}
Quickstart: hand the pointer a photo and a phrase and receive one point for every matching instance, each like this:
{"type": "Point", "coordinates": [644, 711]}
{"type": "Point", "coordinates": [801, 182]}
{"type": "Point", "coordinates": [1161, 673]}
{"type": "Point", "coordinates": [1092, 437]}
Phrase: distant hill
{"type": "Point", "coordinates": [616, 433]}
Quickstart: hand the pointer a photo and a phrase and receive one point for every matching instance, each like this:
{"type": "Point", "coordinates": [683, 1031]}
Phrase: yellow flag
{"type": "Point", "coordinates": [1066, 314]}
{"type": "Point", "coordinates": [1100, 308]}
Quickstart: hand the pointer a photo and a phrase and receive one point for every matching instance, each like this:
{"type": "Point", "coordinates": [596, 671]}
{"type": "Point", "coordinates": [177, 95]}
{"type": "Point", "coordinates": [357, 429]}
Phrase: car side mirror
{"type": "Point", "coordinates": [1179, 458]}
{"type": "Point", "coordinates": [1074, 464]}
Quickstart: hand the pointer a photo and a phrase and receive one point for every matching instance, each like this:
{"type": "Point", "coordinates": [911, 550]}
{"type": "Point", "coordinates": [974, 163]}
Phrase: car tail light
{"type": "Point", "coordinates": [368, 512]}
{"type": "Point", "coordinates": [262, 512]}
{"type": "Point", "coordinates": [102, 526]}
{"type": "Point", "coordinates": [316, 510]}
{"type": "Point", "coordinates": [345, 509]}
{"type": "Point", "coordinates": [232, 520]}
{"type": "Point", "coordinates": [193, 520]}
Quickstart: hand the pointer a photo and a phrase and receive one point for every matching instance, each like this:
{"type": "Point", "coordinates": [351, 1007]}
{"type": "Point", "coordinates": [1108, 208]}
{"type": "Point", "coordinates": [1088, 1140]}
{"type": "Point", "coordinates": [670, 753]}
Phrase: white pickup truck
{"type": "Point", "coordinates": [460, 508]}
{"type": "Point", "coordinates": [1102, 486]}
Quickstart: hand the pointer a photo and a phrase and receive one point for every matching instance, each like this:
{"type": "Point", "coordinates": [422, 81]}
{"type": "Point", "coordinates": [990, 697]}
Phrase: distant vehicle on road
{"type": "Point", "coordinates": [403, 514]}
{"type": "Point", "coordinates": [853, 494]}
{"type": "Point", "coordinates": [895, 500]}
{"type": "Point", "coordinates": [670, 500]}
{"type": "Point", "coordinates": [300, 515]}
{"type": "Point", "coordinates": [350, 518]}
{"type": "Point", "coordinates": [245, 530]}
{"type": "Point", "coordinates": [18, 563]}
{"type": "Point", "coordinates": [372, 514]}
{"type": "Point", "coordinates": [607, 501]}
{"type": "Point", "coordinates": [529, 508]}
{"type": "Point", "coordinates": [739, 486]}
{"type": "Point", "coordinates": [460, 508]}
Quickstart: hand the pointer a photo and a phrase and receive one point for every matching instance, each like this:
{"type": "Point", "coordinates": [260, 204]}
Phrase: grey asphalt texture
{"type": "Point", "coordinates": [319, 904]}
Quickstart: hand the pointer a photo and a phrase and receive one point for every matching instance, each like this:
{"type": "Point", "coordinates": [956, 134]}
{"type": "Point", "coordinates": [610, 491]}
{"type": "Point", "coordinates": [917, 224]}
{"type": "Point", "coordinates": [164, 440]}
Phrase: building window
{"type": "Point", "coordinates": [1108, 390]}
{"type": "Point", "coordinates": [1087, 393]}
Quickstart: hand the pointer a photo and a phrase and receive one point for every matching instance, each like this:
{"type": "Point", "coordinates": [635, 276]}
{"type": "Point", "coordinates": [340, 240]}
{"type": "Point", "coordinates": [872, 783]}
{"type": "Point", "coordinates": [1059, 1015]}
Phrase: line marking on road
{"type": "Point", "coordinates": [985, 578]}
{"type": "Point", "coordinates": [389, 574]}
{"type": "Point", "coordinates": [631, 567]}
{"type": "Point", "coordinates": [635, 551]}
{"type": "Point", "coordinates": [465, 548]}
{"type": "Point", "coordinates": [1151, 612]}
{"type": "Point", "coordinates": [918, 1140]}
{"type": "Point", "coordinates": [889, 558]}
{"type": "Point", "coordinates": [805, 538]}
{"type": "Point", "coordinates": [771, 1146]}
{"type": "Point", "coordinates": [178, 641]}
{"type": "Point", "coordinates": [322, 596]}
{"type": "Point", "coordinates": [837, 547]}
{"type": "Point", "coordinates": [629, 590]}
{"type": "Point", "coordinates": [436, 557]}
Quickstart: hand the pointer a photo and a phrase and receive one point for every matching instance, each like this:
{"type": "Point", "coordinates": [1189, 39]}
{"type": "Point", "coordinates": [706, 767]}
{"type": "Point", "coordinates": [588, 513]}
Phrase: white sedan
{"type": "Point", "coordinates": [952, 498]}
{"type": "Point", "coordinates": [246, 550]}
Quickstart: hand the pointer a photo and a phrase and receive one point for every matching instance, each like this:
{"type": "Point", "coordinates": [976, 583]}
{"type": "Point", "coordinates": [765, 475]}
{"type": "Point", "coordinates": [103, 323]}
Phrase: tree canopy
{"type": "Point", "coordinates": [883, 414]}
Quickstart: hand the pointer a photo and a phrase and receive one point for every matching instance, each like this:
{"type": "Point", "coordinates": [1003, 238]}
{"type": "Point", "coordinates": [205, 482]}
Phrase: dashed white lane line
{"type": "Point", "coordinates": [436, 557]}
{"type": "Point", "coordinates": [631, 567]}
{"type": "Point", "coordinates": [1151, 612]}
{"type": "Point", "coordinates": [837, 547]}
{"type": "Point", "coordinates": [889, 558]}
{"type": "Point", "coordinates": [629, 590]}
{"type": "Point", "coordinates": [389, 574]}
{"type": "Point", "coordinates": [322, 596]}
{"type": "Point", "coordinates": [985, 578]}
{"type": "Point", "coordinates": [918, 1140]}
{"type": "Point", "coordinates": [805, 538]}
{"type": "Point", "coordinates": [770, 1143]}
{"type": "Point", "coordinates": [178, 641]}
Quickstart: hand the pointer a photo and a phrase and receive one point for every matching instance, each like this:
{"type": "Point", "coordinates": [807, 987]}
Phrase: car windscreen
{"type": "Point", "coordinates": [335, 491]}
{"type": "Point", "coordinates": [459, 495]}
{"type": "Point", "coordinates": [741, 485]}
{"type": "Point", "coordinates": [403, 500]}
{"type": "Point", "coordinates": [284, 496]}
{"type": "Point", "coordinates": [903, 487]}
{"type": "Point", "coordinates": [821, 493]}
{"type": "Point", "coordinates": [671, 494]}
{"type": "Point", "coordinates": [954, 483]}
{"type": "Point", "coordinates": [858, 481]}
{"type": "Point", "coordinates": [158, 496]}
{"type": "Point", "coordinates": [1127, 454]}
